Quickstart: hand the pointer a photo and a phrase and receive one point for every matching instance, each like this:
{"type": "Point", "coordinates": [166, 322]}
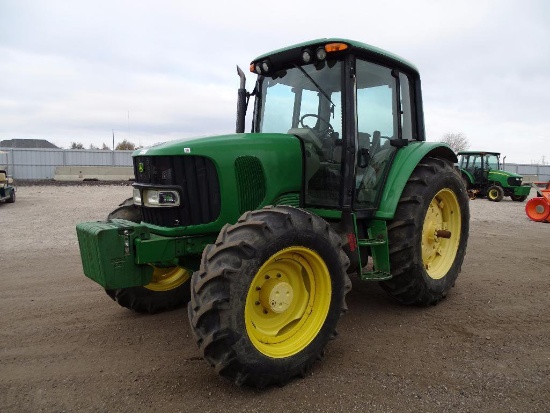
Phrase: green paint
{"type": "Point", "coordinates": [404, 163]}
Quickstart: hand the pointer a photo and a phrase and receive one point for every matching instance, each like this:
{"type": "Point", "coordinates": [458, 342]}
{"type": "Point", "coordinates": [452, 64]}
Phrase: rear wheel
{"type": "Point", "coordinates": [495, 193]}
{"type": "Point", "coordinates": [268, 295]}
{"type": "Point", "coordinates": [428, 235]}
{"type": "Point", "coordinates": [169, 287]}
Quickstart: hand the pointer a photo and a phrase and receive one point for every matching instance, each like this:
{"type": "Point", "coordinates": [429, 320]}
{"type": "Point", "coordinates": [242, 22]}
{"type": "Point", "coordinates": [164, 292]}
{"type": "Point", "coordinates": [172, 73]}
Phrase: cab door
{"type": "Point", "coordinates": [383, 116]}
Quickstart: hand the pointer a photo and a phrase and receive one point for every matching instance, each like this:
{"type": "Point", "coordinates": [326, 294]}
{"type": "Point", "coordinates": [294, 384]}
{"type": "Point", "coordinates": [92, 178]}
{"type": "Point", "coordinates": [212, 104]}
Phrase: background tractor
{"type": "Point", "coordinates": [262, 230]}
{"type": "Point", "coordinates": [483, 176]}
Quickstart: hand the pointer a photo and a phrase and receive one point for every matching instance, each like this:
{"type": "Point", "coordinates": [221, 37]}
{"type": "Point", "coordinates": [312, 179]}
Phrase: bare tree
{"type": "Point", "coordinates": [125, 146]}
{"type": "Point", "coordinates": [76, 145]}
{"type": "Point", "coordinates": [457, 141]}
{"type": "Point", "coordinates": [105, 148]}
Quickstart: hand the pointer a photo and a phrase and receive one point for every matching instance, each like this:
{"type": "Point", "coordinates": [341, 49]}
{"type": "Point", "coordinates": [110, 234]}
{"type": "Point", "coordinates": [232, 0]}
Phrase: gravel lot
{"type": "Point", "coordinates": [66, 346]}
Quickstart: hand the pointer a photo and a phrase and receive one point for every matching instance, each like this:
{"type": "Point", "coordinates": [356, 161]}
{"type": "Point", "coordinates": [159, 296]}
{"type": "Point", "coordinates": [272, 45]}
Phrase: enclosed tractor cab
{"type": "Point", "coordinates": [483, 176]}
{"type": "Point", "coordinates": [261, 230]}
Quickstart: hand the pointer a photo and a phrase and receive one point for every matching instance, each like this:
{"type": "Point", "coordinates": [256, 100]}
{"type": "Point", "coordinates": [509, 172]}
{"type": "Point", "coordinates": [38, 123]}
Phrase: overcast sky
{"type": "Point", "coordinates": [152, 71]}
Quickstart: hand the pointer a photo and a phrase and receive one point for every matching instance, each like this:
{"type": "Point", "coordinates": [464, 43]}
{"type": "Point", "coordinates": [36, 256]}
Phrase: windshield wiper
{"type": "Point", "coordinates": [317, 86]}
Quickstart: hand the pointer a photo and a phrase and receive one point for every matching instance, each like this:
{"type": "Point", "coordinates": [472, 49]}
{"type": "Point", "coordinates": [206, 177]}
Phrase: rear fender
{"type": "Point", "coordinates": [404, 164]}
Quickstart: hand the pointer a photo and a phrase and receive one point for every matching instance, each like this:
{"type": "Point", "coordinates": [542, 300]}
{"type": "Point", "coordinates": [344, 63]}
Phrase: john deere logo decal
{"type": "Point", "coordinates": [140, 167]}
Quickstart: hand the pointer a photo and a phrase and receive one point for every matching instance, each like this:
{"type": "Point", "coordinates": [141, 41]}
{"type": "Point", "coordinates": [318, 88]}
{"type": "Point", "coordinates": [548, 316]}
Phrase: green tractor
{"type": "Point", "coordinates": [483, 176]}
{"type": "Point", "coordinates": [262, 230]}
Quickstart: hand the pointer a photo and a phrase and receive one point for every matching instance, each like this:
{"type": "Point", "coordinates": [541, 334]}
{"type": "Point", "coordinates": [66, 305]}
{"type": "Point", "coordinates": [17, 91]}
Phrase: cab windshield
{"type": "Point", "coordinates": [491, 162]}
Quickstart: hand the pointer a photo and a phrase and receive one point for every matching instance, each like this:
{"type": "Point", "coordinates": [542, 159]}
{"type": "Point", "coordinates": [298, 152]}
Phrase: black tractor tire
{"type": "Point", "coordinates": [242, 329]}
{"type": "Point", "coordinates": [143, 300]}
{"type": "Point", "coordinates": [127, 210]}
{"type": "Point", "coordinates": [495, 193]}
{"type": "Point", "coordinates": [11, 199]}
{"type": "Point", "coordinates": [518, 198]}
{"type": "Point", "coordinates": [424, 265]}
{"type": "Point", "coordinates": [149, 300]}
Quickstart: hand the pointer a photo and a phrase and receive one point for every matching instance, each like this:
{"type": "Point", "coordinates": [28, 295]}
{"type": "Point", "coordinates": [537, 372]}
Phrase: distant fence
{"type": "Point", "coordinates": [41, 163]}
{"type": "Point", "coordinates": [535, 172]}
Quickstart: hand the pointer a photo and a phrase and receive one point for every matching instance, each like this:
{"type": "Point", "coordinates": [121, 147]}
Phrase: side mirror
{"type": "Point", "coordinates": [363, 158]}
{"type": "Point", "coordinates": [399, 143]}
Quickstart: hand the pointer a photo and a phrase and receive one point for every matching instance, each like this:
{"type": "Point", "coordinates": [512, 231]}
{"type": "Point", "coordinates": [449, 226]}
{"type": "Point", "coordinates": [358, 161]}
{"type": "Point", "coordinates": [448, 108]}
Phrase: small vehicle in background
{"type": "Point", "coordinates": [7, 188]}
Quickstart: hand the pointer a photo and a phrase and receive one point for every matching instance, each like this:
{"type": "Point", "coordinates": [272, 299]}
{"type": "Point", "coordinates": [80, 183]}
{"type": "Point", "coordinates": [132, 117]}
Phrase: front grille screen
{"type": "Point", "coordinates": [194, 177]}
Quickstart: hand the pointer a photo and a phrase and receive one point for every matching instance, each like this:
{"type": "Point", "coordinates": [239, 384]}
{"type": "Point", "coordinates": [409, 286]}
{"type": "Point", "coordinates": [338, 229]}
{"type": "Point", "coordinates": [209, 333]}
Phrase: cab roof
{"type": "Point", "coordinates": [294, 52]}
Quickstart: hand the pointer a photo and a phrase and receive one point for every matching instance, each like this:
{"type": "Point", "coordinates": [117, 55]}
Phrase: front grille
{"type": "Point", "coordinates": [196, 180]}
{"type": "Point", "coordinates": [513, 181]}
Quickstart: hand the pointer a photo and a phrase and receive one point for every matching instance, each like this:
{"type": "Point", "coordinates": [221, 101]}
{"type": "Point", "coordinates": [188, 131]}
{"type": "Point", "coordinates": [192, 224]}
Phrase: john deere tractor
{"type": "Point", "coordinates": [261, 230]}
{"type": "Point", "coordinates": [483, 176]}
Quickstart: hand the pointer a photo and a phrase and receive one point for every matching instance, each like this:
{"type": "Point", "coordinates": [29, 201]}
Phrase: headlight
{"type": "Point", "coordinates": [137, 196]}
{"type": "Point", "coordinates": [160, 198]}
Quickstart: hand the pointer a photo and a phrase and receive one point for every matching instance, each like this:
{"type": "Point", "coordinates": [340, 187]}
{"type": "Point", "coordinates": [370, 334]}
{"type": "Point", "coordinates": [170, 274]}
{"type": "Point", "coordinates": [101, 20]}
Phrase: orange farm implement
{"type": "Point", "coordinates": [538, 209]}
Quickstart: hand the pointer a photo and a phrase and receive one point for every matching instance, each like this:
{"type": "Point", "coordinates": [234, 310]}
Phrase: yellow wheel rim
{"type": "Point", "coordinates": [168, 278]}
{"type": "Point", "coordinates": [441, 234]}
{"type": "Point", "coordinates": [493, 193]}
{"type": "Point", "coordinates": [287, 302]}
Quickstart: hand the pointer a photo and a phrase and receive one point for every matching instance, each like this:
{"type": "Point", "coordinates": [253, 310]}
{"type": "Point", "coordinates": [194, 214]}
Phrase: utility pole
{"type": "Point", "coordinates": [113, 157]}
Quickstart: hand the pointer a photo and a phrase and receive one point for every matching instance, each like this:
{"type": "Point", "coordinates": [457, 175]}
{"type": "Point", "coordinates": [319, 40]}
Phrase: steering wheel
{"type": "Point", "coordinates": [322, 132]}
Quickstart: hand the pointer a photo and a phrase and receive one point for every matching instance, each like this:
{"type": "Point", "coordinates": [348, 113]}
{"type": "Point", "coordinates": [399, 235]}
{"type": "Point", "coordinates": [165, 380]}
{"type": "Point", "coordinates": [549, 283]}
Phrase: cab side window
{"type": "Point", "coordinates": [379, 115]}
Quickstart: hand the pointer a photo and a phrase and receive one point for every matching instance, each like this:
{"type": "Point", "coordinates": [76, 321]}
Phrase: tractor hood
{"type": "Point", "coordinates": [505, 174]}
{"type": "Point", "coordinates": [262, 145]}
{"type": "Point", "coordinates": [218, 178]}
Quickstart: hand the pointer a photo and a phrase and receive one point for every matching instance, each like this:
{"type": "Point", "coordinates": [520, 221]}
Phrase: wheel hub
{"type": "Point", "coordinates": [276, 295]}
{"type": "Point", "coordinates": [168, 278]}
{"type": "Point", "coordinates": [440, 234]}
{"type": "Point", "coordinates": [287, 302]}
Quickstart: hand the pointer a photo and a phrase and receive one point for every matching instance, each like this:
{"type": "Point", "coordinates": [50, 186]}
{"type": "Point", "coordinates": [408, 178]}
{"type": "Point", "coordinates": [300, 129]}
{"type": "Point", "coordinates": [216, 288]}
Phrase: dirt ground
{"type": "Point", "coordinates": [66, 346]}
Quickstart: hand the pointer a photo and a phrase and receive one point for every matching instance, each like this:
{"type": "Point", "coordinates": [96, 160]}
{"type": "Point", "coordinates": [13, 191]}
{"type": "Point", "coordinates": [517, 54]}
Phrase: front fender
{"type": "Point", "coordinates": [403, 165]}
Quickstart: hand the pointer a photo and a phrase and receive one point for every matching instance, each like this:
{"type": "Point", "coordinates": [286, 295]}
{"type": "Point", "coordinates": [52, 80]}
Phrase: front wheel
{"type": "Point", "coordinates": [518, 198]}
{"type": "Point", "coordinates": [428, 235]}
{"type": "Point", "coordinates": [268, 295]}
{"type": "Point", "coordinates": [11, 199]}
{"type": "Point", "coordinates": [495, 193]}
{"type": "Point", "coordinates": [168, 290]}
{"type": "Point", "coordinates": [169, 286]}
